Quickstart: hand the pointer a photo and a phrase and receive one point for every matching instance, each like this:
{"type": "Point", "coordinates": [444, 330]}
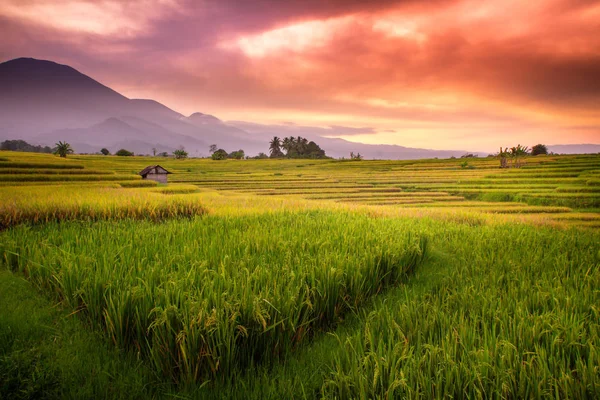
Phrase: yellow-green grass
{"type": "Point", "coordinates": [366, 195]}
{"type": "Point", "coordinates": [187, 295]}
{"type": "Point", "coordinates": [138, 183]}
{"type": "Point", "coordinates": [515, 316]}
{"type": "Point", "coordinates": [375, 182]}
{"type": "Point", "coordinates": [42, 204]}
{"type": "Point", "coordinates": [53, 171]}
{"type": "Point", "coordinates": [60, 178]}
{"type": "Point", "coordinates": [176, 189]}
{"type": "Point", "coordinates": [507, 308]}
{"type": "Point", "coordinates": [9, 165]}
{"type": "Point", "coordinates": [202, 298]}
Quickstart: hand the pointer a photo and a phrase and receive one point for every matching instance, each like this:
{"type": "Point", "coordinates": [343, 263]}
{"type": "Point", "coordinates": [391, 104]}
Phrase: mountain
{"type": "Point", "coordinates": [203, 119]}
{"type": "Point", "coordinates": [44, 102]}
{"type": "Point", "coordinates": [126, 132]}
{"type": "Point", "coordinates": [42, 95]}
{"type": "Point", "coordinates": [574, 148]}
{"type": "Point", "coordinates": [335, 147]}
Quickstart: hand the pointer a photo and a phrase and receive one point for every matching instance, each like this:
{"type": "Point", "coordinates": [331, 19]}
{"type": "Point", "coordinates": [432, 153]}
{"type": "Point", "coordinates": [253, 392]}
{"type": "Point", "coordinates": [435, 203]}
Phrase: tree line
{"type": "Point", "coordinates": [295, 147]}
{"type": "Point", "coordinates": [21, 145]}
{"type": "Point", "coordinates": [516, 153]}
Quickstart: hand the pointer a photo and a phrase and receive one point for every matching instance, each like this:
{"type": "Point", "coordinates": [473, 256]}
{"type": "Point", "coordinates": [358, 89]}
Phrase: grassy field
{"type": "Point", "coordinates": [299, 278]}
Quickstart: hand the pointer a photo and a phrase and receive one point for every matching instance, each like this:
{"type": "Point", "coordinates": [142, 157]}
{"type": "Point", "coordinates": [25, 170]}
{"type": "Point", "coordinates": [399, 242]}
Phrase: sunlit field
{"type": "Point", "coordinates": [299, 278]}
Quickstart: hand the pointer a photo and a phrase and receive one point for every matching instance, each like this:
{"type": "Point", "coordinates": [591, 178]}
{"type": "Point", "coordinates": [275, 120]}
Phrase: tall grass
{"type": "Point", "coordinates": [38, 177]}
{"type": "Point", "coordinates": [516, 316]}
{"type": "Point", "coordinates": [53, 171]}
{"type": "Point", "coordinates": [201, 299]}
{"type": "Point", "coordinates": [36, 205]}
{"type": "Point", "coordinates": [39, 165]}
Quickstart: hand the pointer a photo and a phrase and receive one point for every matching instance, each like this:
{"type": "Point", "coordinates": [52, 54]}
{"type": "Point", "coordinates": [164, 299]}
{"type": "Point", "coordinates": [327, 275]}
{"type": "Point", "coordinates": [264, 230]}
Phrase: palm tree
{"type": "Point", "coordinates": [286, 144]}
{"type": "Point", "coordinates": [504, 154]}
{"type": "Point", "coordinates": [301, 145]}
{"type": "Point", "coordinates": [62, 149]}
{"type": "Point", "coordinates": [275, 147]}
{"type": "Point", "coordinates": [517, 152]}
{"type": "Point", "coordinates": [289, 145]}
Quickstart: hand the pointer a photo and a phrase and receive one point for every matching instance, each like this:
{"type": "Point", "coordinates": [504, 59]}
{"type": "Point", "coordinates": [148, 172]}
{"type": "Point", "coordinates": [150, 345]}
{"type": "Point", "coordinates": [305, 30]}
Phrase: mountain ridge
{"type": "Point", "coordinates": [44, 101]}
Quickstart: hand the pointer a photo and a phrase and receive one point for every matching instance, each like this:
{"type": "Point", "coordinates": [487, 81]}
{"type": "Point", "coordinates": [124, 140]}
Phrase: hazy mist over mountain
{"type": "Point", "coordinates": [44, 102]}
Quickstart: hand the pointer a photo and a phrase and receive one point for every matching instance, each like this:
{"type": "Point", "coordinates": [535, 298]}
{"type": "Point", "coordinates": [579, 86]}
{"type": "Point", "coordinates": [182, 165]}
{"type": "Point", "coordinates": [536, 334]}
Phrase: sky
{"type": "Point", "coordinates": [440, 74]}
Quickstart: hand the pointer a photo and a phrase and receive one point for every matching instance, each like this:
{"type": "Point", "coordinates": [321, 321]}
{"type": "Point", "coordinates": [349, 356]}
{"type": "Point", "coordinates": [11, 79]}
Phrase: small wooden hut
{"type": "Point", "coordinates": [155, 173]}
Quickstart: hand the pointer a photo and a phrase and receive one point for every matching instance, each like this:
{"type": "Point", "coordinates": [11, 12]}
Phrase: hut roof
{"type": "Point", "coordinates": [156, 169]}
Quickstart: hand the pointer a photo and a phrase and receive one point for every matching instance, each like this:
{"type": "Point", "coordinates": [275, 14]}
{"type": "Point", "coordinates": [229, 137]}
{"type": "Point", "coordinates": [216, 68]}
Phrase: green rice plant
{"type": "Point", "coordinates": [176, 189]}
{"type": "Point", "coordinates": [578, 189]}
{"type": "Point", "coordinates": [48, 171]}
{"type": "Point", "coordinates": [496, 196]}
{"type": "Point", "coordinates": [63, 177]}
{"type": "Point", "coordinates": [16, 164]}
{"type": "Point", "coordinates": [38, 205]}
{"type": "Point", "coordinates": [515, 315]}
{"type": "Point", "coordinates": [402, 200]}
{"type": "Point", "coordinates": [574, 200]}
{"type": "Point", "coordinates": [138, 183]}
{"type": "Point", "coordinates": [202, 299]}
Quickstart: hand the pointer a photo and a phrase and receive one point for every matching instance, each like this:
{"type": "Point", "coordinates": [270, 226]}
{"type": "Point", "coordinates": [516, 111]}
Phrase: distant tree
{"type": "Point", "coordinates": [163, 154]}
{"type": "Point", "coordinates": [124, 153]}
{"type": "Point", "coordinates": [219, 155]}
{"type": "Point", "coordinates": [105, 151]}
{"type": "Point", "coordinates": [180, 153]}
{"type": "Point", "coordinates": [261, 156]}
{"type": "Point", "coordinates": [212, 148]}
{"type": "Point", "coordinates": [275, 148]}
{"type": "Point", "coordinates": [356, 156]}
{"type": "Point", "coordinates": [312, 150]}
{"type": "Point", "coordinates": [289, 145]}
{"type": "Point", "coordinates": [517, 153]}
{"type": "Point", "coordinates": [21, 145]}
{"type": "Point", "coordinates": [539, 149]}
{"type": "Point", "coordinates": [299, 147]}
{"type": "Point", "coordinates": [238, 155]}
{"type": "Point", "coordinates": [62, 149]}
{"type": "Point", "coordinates": [504, 154]}
{"type": "Point", "coordinates": [154, 151]}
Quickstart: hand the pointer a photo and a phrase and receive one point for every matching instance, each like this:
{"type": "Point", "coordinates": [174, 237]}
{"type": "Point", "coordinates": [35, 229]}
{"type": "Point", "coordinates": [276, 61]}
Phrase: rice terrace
{"type": "Point", "coordinates": [299, 278]}
{"type": "Point", "coordinates": [299, 199]}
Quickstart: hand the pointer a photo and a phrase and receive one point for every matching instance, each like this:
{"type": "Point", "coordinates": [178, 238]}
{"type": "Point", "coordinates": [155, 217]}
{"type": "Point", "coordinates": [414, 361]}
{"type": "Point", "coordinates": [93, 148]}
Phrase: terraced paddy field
{"type": "Point", "coordinates": [299, 278]}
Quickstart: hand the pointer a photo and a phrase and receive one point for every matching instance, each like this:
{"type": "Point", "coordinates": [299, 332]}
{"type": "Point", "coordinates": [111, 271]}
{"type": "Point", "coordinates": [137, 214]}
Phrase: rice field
{"type": "Point", "coordinates": [306, 279]}
{"type": "Point", "coordinates": [224, 293]}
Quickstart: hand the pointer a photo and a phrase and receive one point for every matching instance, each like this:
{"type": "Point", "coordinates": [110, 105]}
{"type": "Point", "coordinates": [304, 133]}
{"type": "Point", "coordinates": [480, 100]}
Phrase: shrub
{"type": "Point", "coordinates": [219, 155]}
{"type": "Point", "coordinates": [124, 153]}
{"type": "Point", "coordinates": [539, 149]}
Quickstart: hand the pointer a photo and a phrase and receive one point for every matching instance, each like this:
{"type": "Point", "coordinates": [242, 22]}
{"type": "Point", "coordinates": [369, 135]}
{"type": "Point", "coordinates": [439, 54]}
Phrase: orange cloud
{"type": "Point", "coordinates": [437, 70]}
{"type": "Point", "coordinates": [107, 17]}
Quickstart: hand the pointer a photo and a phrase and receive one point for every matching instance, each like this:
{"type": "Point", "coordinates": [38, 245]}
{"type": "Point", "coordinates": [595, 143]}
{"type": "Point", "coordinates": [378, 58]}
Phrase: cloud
{"type": "Point", "coordinates": [337, 130]}
{"type": "Point", "coordinates": [107, 17]}
{"type": "Point", "coordinates": [402, 68]}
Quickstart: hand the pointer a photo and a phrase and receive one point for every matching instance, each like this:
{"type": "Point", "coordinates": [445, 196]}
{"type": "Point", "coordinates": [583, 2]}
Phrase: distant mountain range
{"type": "Point", "coordinates": [574, 148]}
{"type": "Point", "coordinates": [44, 102]}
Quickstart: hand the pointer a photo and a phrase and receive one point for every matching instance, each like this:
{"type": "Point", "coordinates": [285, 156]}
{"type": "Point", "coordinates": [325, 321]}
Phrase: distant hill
{"type": "Point", "coordinates": [574, 148]}
{"type": "Point", "coordinates": [43, 102]}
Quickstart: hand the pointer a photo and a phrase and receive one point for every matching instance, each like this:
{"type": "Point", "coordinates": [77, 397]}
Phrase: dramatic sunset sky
{"type": "Point", "coordinates": [443, 74]}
